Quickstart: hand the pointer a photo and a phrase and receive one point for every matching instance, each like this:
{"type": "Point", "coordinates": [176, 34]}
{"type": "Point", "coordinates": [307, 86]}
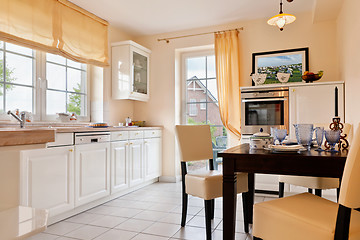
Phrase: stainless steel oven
{"type": "Point", "coordinates": [264, 108]}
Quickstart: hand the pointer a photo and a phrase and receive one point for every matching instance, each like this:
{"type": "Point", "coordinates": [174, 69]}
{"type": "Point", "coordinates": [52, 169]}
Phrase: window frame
{"type": "Point", "coordinates": [40, 88]}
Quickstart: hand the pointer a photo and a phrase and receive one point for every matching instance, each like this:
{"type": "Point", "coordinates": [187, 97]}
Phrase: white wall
{"type": "Point", "coordinates": [257, 36]}
{"type": "Point", "coordinates": [115, 111]}
{"type": "Point", "coordinates": [348, 25]}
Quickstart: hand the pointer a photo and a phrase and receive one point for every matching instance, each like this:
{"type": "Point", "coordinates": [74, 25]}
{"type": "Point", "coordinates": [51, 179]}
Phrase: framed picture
{"type": "Point", "coordinates": [292, 61]}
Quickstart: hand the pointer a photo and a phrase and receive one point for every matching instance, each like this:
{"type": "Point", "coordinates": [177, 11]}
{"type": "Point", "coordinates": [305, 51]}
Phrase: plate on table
{"type": "Point", "coordinates": [286, 148]}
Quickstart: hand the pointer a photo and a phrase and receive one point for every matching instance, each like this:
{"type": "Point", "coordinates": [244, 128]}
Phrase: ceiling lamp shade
{"type": "Point", "coordinates": [281, 19]}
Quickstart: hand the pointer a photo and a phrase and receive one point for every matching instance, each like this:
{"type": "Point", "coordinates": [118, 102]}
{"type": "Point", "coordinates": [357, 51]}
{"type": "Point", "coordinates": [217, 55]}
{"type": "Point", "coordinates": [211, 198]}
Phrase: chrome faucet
{"type": "Point", "coordinates": [21, 119]}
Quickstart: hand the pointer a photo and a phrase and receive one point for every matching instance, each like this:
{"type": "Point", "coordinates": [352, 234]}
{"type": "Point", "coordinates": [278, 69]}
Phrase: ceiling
{"type": "Point", "coordinates": [148, 17]}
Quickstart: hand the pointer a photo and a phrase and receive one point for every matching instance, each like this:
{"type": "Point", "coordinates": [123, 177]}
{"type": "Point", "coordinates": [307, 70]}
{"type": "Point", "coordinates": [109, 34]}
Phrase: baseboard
{"type": "Point", "coordinates": [170, 179]}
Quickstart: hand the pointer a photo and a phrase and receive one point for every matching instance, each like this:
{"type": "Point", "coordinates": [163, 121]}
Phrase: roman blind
{"type": "Point", "coordinates": [55, 26]}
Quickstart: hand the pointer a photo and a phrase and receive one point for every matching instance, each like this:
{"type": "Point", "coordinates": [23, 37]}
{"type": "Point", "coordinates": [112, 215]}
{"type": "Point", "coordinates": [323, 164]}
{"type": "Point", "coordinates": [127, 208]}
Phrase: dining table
{"type": "Point", "coordinates": [243, 159]}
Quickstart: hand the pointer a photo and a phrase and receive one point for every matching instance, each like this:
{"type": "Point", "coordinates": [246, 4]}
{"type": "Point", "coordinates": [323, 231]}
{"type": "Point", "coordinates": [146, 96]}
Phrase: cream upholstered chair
{"type": "Point", "coordinates": [317, 183]}
{"type": "Point", "coordinates": [306, 216]}
{"type": "Point", "coordinates": [195, 144]}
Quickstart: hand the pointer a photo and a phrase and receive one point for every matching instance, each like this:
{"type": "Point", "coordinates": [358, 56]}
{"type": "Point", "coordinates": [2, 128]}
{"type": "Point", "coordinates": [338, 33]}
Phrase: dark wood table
{"type": "Point", "coordinates": [243, 159]}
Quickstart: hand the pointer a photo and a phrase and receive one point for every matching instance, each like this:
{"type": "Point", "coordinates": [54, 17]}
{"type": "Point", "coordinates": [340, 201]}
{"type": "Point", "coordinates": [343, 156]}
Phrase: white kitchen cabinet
{"type": "Point", "coordinates": [136, 162]}
{"type": "Point", "coordinates": [47, 179]}
{"type": "Point", "coordinates": [119, 165]}
{"type": "Point", "coordinates": [152, 156]}
{"type": "Point", "coordinates": [130, 71]}
{"type": "Point", "coordinates": [92, 172]}
{"type": "Point", "coordinates": [314, 104]}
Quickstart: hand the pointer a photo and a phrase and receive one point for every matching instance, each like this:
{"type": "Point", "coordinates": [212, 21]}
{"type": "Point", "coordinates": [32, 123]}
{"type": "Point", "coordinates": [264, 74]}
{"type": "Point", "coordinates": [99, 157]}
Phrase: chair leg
{"type": "Point", "coordinates": [245, 211]}
{"type": "Point", "coordinates": [208, 218]}
{"type": "Point", "coordinates": [281, 189]}
{"type": "Point", "coordinates": [184, 208]}
{"type": "Point", "coordinates": [318, 192]}
{"type": "Point", "coordinates": [310, 190]}
{"type": "Point", "coordinates": [337, 194]}
{"type": "Point", "coordinates": [256, 238]}
{"type": "Point", "coordinates": [212, 208]}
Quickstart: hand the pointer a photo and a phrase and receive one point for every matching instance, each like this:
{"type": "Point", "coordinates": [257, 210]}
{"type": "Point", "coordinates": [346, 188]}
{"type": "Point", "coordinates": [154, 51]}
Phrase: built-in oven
{"type": "Point", "coordinates": [264, 108]}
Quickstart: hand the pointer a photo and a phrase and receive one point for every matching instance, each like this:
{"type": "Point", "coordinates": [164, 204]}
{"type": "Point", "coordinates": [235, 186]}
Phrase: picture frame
{"type": "Point", "coordinates": [294, 61]}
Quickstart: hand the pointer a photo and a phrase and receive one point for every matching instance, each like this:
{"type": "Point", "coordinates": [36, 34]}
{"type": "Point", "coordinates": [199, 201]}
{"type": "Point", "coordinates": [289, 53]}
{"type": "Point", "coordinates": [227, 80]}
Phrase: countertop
{"type": "Point", "coordinates": [12, 136]}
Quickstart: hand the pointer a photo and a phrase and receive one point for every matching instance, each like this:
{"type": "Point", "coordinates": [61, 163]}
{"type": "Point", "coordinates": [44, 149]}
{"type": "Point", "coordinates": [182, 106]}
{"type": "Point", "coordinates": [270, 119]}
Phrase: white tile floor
{"type": "Point", "coordinates": [151, 213]}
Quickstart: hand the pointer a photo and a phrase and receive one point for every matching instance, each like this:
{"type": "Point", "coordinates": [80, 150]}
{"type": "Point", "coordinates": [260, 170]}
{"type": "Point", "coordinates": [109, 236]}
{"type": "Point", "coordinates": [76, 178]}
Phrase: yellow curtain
{"type": "Point", "coordinates": [83, 36]}
{"type": "Point", "coordinates": [228, 79]}
{"type": "Point", "coordinates": [55, 26]}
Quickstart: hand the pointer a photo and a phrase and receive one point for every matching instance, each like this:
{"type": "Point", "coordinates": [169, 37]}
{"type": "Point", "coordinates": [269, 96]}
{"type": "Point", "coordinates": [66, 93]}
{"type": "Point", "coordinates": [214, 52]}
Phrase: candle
{"type": "Point", "coordinates": [336, 102]}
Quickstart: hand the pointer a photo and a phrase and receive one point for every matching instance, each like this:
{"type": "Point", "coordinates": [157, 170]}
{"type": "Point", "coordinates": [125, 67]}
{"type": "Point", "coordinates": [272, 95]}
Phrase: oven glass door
{"type": "Point", "coordinates": [264, 112]}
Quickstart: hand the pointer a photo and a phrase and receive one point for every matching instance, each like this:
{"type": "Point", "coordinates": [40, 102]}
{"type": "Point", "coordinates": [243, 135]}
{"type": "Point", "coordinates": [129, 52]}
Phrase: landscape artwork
{"type": "Point", "coordinates": [293, 62]}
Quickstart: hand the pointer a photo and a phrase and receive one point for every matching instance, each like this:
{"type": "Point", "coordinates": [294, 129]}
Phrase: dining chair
{"type": "Point", "coordinates": [316, 183]}
{"type": "Point", "coordinates": [195, 145]}
{"type": "Point", "coordinates": [307, 216]}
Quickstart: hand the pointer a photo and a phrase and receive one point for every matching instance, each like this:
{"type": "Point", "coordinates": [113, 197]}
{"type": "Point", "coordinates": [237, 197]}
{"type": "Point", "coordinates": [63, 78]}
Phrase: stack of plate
{"type": "Point", "coordinates": [286, 148]}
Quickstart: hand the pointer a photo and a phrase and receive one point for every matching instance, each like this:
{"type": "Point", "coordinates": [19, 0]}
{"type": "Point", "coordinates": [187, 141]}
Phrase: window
{"type": "Point", "coordinates": [66, 86]}
{"type": "Point", "coordinates": [201, 99]}
{"type": "Point", "coordinates": [17, 66]}
{"type": "Point", "coordinates": [66, 83]}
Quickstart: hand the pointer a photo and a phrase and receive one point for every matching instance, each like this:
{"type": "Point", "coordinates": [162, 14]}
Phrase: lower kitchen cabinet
{"type": "Point", "coordinates": [152, 157]}
{"type": "Point", "coordinates": [119, 166]}
{"type": "Point", "coordinates": [47, 179]}
{"type": "Point", "coordinates": [92, 172]}
{"type": "Point", "coordinates": [136, 163]}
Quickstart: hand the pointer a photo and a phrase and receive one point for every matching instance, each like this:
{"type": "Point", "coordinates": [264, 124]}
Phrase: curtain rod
{"type": "Point", "coordinates": [167, 40]}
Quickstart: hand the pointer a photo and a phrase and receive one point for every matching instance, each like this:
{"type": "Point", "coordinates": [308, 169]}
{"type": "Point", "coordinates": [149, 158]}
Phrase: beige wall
{"type": "Point", "coordinates": [348, 26]}
{"type": "Point", "coordinates": [256, 37]}
{"type": "Point", "coordinates": [115, 111]}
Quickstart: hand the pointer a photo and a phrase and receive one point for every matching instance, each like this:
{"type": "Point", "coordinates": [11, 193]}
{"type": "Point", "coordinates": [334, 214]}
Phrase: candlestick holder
{"type": "Point", "coordinates": [338, 125]}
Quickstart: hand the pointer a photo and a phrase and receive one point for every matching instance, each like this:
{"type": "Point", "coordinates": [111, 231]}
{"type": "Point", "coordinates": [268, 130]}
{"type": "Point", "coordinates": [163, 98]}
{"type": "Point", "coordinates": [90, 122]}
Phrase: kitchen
{"type": "Point", "coordinates": [329, 36]}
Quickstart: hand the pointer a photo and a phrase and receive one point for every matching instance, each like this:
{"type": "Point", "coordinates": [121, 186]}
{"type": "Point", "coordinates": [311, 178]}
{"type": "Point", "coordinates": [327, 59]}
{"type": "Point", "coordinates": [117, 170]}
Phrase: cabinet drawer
{"type": "Point", "coordinates": [118, 136]}
{"type": "Point", "coordinates": [136, 134]}
{"type": "Point", "coordinates": [62, 139]}
{"type": "Point", "coordinates": [152, 133]}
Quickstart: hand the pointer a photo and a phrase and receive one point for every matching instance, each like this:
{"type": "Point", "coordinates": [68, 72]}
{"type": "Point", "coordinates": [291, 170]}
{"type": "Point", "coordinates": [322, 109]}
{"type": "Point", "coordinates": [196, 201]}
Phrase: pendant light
{"type": "Point", "coordinates": [281, 19]}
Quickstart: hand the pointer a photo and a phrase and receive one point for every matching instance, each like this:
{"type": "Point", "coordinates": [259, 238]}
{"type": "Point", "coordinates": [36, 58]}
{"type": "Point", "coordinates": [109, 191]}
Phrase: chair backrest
{"type": "Point", "coordinates": [349, 190]}
{"type": "Point", "coordinates": [195, 142]}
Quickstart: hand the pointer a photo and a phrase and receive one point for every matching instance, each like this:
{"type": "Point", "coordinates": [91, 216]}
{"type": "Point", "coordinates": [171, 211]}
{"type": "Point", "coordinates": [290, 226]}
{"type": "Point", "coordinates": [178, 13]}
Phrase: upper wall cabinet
{"type": "Point", "coordinates": [130, 71]}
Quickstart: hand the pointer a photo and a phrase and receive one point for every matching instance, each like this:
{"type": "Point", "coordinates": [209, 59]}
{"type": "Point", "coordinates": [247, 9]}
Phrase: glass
{"type": "Point", "coordinates": [212, 90]}
{"type": "Point", "coordinates": [280, 134]}
{"type": "Point", "coordinates": [55, 102]}
{"type": "Point", "coordinates": [140, 73]}
{"type": "Point", "coordinates": [1, 99]}
{"type": "Point", "coordinates": [264, 113]}
{"type": "Point", "coordinates": [56, 76]}
{"type": "Point", "coordinates": [19, 97]}
{"type": "Point", "coordinates": [19, 49]}
{"type": "Point", "coordinates": [55, 58]}
{"type": "Point", "coordinates": [74, 81]}
{"type": "Point", "coordinates": [211, 66]}
{"type": "Point", "coordinates": [19, 69]}
{"type": "Point", "coordinates": [304, 133]}
{"type": "Point", "coordinates": [319, 134]}
{"type": "Point", "coordinates": [76, 104]}
{"type": "Point", "coordinates": [332, 137]}
{"type": "Point", "coordinates": [196, 67]}
{"type": "Point", "coordinates": [74, 64]}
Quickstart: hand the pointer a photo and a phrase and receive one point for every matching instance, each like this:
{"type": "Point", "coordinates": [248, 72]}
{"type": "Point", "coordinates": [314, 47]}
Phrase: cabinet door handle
{"type": "Point", "coordinates": [153, 132]}
{"type": "Point", "coordinates": [130, 143]}
{"type": "Point", "coordinates": [120, 135]}
{"type": "Point", "coordinates": [70, 150]}
{"type": "Point", "coordinates": [293, 90]}
{"type": "Point", "coordinates": [145, 141]}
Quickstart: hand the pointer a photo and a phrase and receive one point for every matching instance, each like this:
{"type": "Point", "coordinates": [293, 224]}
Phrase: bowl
{"type": "Point", "coordinates": [311, 78]}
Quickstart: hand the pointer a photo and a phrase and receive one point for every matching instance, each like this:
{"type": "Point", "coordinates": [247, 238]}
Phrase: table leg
{"type": "Point", "coordinates": [250, 195]}
{"type": "Point", "coordinates": [229, 199]}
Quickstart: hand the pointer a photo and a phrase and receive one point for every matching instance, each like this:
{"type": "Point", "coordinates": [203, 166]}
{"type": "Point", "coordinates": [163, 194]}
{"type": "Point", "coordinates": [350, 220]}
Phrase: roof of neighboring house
{"type": "Point", "coordinates": [202, 86]}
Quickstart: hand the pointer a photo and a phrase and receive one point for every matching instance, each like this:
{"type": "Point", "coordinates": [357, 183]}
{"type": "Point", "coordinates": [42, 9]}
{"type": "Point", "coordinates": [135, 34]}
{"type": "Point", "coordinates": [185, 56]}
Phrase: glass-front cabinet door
{"type": "Point", "coordinates": [130, 71]}
{"type": "Point", "coordinates": [140, 73]}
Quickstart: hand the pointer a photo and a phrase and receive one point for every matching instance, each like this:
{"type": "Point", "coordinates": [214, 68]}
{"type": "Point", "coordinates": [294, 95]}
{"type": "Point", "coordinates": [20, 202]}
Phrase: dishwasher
{"type": "Point", "coordinates": [92, 166]}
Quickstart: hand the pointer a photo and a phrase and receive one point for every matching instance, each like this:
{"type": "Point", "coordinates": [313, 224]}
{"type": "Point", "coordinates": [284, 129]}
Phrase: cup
{"type": "Point", "coordinates": [304, 133]}
{"type": "Point", "coordinates": [319, 134]}
{"type": "Point", "coordinates": [280, 135]}
{"type": "Point", "coordinates": [121, 124]}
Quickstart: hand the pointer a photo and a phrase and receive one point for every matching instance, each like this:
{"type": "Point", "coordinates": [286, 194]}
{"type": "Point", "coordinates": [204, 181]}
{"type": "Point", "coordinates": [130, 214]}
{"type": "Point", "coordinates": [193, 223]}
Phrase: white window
{"type": "Point", "coordinates": [41, 83]}
{"type": "Point", "coordinates": [17, 76]}
{"type": "Point", "coordinates": [203, 104]}
{"type": "Point", "coordinates": [192, 108]}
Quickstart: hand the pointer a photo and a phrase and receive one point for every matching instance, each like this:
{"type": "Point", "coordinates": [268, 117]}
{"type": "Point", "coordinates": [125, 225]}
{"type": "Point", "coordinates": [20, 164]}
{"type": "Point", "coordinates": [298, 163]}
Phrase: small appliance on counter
{"type": "Point", "coordinates": [98, 125]}
{"type": "Point", "coordinates": [260, 140]}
